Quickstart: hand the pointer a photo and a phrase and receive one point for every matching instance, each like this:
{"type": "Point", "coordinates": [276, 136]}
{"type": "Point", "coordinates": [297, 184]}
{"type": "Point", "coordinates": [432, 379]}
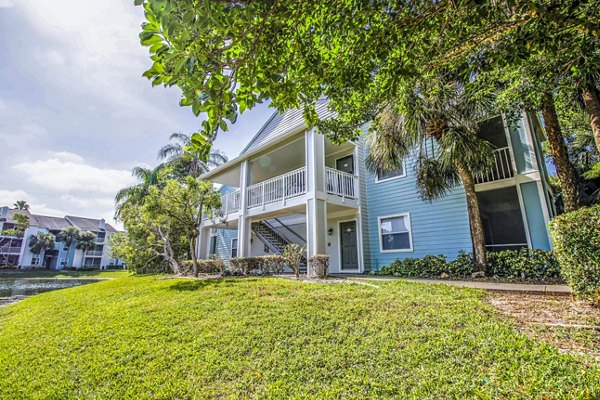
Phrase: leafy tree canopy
{"type": "Point", "coordinates": [162, 230]}
{"type": "Point", "coordinates": [226, 56]}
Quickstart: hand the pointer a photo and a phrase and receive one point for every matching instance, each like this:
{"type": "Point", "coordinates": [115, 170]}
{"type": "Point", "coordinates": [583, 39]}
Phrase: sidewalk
{"type": "Point", "coordinates": [495, 286]}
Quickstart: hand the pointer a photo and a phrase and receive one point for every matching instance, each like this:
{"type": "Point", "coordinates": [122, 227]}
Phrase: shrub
{"type": "Point", "coordinates": [318, 265]}
{"type": "Point", "coordinates": [426, 267]}
{"type": "Point", "coordinates": [463, 265]}
{"type": "Point", "coordinates": [293, 254]}
{"type": "Point", "coordinates": [271, 264]}
{"type": "Point", "coordinates": [577, 246]}
{"type": "Point", "coordinates": [209, 266]}
{"type": "Point", "coordinates": [245, 264]}
{"type": "Point", "coordinates": [524, 264]}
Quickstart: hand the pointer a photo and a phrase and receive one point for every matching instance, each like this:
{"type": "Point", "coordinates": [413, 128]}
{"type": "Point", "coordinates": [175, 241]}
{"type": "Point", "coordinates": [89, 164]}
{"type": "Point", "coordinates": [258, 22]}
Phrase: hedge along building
{"type": "Point", "coordinates": [293, 185]}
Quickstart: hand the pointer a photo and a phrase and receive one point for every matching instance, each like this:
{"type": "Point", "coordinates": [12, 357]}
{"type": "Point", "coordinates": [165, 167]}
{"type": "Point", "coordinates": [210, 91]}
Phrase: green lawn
{"type": "Point", "coordinates": [150, 337]}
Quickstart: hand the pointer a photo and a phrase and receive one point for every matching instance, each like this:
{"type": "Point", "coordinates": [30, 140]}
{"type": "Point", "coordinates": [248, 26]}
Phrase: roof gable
{"type": "Point", "coordinates": [280, 124]}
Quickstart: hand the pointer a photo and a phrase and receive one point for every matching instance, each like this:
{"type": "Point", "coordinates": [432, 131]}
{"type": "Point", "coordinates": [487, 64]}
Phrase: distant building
{"type": "Point", "coordinates": [15, 251]}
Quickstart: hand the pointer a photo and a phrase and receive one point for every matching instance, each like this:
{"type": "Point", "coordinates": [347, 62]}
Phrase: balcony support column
{"type": "Point", "coordinates": [316, 197]}
{"type": "Point", "coordinates": [202, 243]}
{"type": "Point", "coordinates": [244, 232]}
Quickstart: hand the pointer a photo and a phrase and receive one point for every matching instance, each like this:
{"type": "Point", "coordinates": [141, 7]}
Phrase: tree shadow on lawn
{"type": "Point", "coordinates": [190, 285]}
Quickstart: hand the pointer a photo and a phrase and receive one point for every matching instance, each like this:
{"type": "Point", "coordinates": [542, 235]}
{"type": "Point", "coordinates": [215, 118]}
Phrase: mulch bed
{"type": "Point", "coordinates": [573, 326]}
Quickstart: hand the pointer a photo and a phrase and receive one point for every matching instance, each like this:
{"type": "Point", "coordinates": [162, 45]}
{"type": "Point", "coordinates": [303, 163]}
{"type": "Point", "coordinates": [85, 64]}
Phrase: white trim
{"type": "Point", "coordinates": [410, 239]}
{"type": "Point", "coordinates": [524, 215]}
{"type": "Point", "coordinates": [377, 180]}
{"type": "Point", "coordinates": [545, 211]}
{"type": "Point", "coordinates": [358, 244]}
{"type": "Point", "coordinates": [511, 149]}
{"type": "Point", "coordinates": [532, 141]}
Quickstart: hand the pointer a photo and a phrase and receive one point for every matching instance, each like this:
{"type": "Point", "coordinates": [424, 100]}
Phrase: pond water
{"type": "Point", "coordinates": [12, 290]}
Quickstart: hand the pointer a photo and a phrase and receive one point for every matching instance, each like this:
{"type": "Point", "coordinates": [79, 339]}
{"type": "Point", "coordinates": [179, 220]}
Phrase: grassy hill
{"type": "Point", "coordinates": [161, 338]}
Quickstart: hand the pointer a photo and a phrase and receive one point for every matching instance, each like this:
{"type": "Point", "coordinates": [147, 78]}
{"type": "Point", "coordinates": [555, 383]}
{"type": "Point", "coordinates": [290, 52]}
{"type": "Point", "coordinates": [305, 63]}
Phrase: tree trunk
{"type": "Point", "coordinates": [475, 225]}
{"type": "Point", "coordinates": [592, 106]}
{"type": "Point", "coordinates": [558, 149]}
{"type": "Point", "coordinates": [194, 259]}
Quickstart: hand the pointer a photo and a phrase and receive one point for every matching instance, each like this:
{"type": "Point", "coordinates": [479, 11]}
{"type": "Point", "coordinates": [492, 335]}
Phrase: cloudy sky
{"type": "Point", "coordinates": [75, 113]}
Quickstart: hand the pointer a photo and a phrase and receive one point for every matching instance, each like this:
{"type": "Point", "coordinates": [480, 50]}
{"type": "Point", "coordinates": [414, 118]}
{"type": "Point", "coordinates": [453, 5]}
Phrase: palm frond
{"type": "Point", "coordinates": [435, 179]}
{"type": "Point", "coordinates": [389, 141]}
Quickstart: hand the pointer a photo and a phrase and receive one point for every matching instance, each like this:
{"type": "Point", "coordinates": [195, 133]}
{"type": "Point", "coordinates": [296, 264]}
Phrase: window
{"type": "Point", "coordinates": [395, 233]}
{"type": "Point", "coordinates": [100, 237]}
{"type": "Point", "coordinates": [234, 248]}
{"type": "Point", "coordinates": [63, 261]}
{"type": "Point", "coordinates": [345, 164]}
{"type": "Point", "coordinates": [34, 261]}
{"type": "Point", "coordinates": [383, 177]}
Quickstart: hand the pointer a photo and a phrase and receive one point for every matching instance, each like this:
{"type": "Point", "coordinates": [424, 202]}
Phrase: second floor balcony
{"type": "Point", "coordinates": [277, 191]}
{"type": "Point", "coordinates": [286, 174]}
{"type": "Point", "coordinates": [502, 167]}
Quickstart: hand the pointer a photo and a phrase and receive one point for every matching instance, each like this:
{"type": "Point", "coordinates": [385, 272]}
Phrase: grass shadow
{"type": "Point", "coordinates": [190, 285]}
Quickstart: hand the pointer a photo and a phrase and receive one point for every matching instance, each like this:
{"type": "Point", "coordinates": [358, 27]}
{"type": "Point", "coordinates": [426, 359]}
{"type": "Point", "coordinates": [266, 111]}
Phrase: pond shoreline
{"type": "Point", "coordinates": [13, 289]}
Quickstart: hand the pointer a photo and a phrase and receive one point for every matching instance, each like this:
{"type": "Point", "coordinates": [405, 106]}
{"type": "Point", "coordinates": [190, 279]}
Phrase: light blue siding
{"type": "Point", "coordinates": [224, 237]}
{"type": "Point", "coordinates": [535, 216]}
{"type": "Point", "coordinates": [438, 227]}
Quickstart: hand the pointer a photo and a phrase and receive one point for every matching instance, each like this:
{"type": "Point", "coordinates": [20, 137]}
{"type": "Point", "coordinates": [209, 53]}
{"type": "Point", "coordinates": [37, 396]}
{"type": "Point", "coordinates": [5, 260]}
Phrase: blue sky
{"type": "Point", "coordinates": [75, 113]}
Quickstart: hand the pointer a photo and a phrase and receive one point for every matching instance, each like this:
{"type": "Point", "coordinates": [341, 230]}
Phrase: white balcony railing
{"type": "Point", "coordinates": [341, 183]}
{"type": "Point", "coordinates": [10, 250]}
{"type": "Point", "coordinates": [93, 253]}
{"type": "Point", "coordinates": [230, 202]}
{"type": "Point", "coordinates": [279, 188]}
{"type": "Point", "coordinates": [501, 169]}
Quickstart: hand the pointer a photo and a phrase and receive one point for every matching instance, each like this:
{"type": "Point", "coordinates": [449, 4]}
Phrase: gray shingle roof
{"type": "Point", "coordinates": [89, 224]}
{"type": "Point", "coordinates": [10, 217]}
{"type": "Point", "coordinates": [52, 223]}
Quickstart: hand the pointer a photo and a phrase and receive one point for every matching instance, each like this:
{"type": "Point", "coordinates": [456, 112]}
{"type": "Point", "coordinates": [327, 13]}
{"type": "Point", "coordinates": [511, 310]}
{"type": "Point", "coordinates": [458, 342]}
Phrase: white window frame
{"type": "Point", "coordinates": [408, 224]}
{"type": "Point", "coordinates": [237, 254]}
{"type": "Point", "coordinates": [377, 180]}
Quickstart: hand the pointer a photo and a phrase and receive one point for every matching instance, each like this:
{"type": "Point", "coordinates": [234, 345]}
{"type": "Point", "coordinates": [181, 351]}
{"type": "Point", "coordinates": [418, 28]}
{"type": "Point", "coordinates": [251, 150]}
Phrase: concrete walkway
{"type": "Point", "coordinates": [495, 286]}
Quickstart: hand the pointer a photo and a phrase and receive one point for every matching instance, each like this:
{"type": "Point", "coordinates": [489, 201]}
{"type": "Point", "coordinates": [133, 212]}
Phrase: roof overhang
{"type": "Point", "coordinates": [222, 169]}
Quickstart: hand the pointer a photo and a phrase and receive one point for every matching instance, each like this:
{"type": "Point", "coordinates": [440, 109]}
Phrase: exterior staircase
{"type": "Point", "coordinates": [270, 237]}
{"type": "Point", "coordinates": [274, 240]}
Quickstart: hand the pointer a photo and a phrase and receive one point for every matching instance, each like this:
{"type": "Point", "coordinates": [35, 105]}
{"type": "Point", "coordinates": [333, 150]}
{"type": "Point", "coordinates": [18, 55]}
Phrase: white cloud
{"type": "Point", "coordinates": [89, 54]}
{"type": "Point", "coordinates": [68, 172]}
{"type": "Point", "coordinates": [8, 197]}
{"type": "Point", "coordinates": [6, 4]}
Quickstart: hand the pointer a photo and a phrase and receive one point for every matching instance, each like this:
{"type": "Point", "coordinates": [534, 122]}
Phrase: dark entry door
{"type": "Point", "coordinates": [348, 244]}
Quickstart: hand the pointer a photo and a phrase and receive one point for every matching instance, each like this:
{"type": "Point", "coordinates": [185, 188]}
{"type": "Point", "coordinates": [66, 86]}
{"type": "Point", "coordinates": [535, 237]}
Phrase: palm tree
{"type": "Point", "coordinates": [86, 242]}
{"type": "Point", "coordinates": [437, 113]}
{"type": "Point", "coordinates": [69, 235]}
{"type": "Point", "coordinates": [42, 242]}
{"type": "Point", "coordinates": [21, 205]}
{"type": "Point", "coordinates": [188, 162]}
{"type": "Point", "coordinates": [135, 194]}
